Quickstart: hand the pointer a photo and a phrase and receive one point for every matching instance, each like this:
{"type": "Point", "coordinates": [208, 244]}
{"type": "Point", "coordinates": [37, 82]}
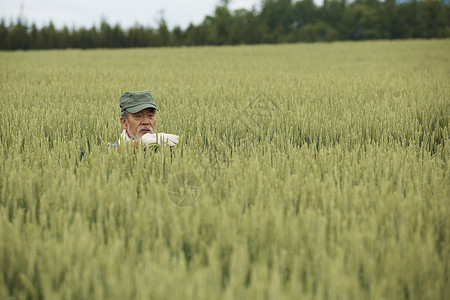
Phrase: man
{"type": "Point", "coordinates": [138, 120]}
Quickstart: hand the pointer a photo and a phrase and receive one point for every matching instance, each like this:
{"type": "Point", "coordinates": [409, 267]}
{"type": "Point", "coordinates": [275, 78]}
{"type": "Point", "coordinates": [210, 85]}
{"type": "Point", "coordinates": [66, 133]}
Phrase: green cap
{"type": "Point", "coordinates": [134, 102]}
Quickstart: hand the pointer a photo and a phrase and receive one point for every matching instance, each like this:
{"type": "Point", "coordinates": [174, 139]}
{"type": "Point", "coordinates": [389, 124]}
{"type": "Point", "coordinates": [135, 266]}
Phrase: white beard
{"type": "Point", "coordinates": [135, 137]}
{"type": "Point", "coordinates": [126, 136]}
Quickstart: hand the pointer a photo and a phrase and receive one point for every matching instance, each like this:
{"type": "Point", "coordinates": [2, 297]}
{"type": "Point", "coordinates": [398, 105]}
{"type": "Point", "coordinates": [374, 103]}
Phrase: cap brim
{"type": "Point", "coordinates": [140, 107]}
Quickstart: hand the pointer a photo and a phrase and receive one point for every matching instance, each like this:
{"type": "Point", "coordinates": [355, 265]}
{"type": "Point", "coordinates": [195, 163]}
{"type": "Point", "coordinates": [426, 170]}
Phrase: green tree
{"type": "Point", "coordinates": [196, 35]}
{"type": "Point", "coordinates": [253, 32]}
{"type": "Point", "coordinates": [65, 38]}
{"type": "Point", "coordinates": [86, 38]}
{"type": "Point", "coordinates": [362, 21]}
{"type": "Point", "coordinates": [305, 12]}
{"type": "Point", "coordinates": [178, 36]}
{"type": "Point", "coordinates": [278, 21]}
{"type": "Point", "coordinates": [34, 37]}
{"type": "Point", "coordinates": [18, 36]}
{"type": "Point", "coordinates": [318, 32]}
{"type": "Point", "coordinates": [277, 15]}
{"type": "Point", "coordinates": [49, 36]}
{"type": "Point", "coordinates": [332, 12]}
{"type": "Point", "coordinates": [238, 28]}
{"type": "Point", "coordinates": [4, 36]}
{"type": "Point", "coordinates": [138, 36]}
{"type": "Point", "coordinates": [432, 16]}
{"type": "Point", "coordinates": [163, 34]}
{"type": "Point", "coordinates": [222, 25]}
{"type": "Point", "coordinates": [390, 19]}
{"type": "Point", "coordinates": [105, 35]}
{"type": "Point", "coordinates": [117, 38]}
{"type": "Point", "coordinates": [403, 26]}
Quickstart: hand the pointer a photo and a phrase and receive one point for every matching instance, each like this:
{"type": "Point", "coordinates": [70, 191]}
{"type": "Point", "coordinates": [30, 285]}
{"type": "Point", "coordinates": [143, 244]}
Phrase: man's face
{"type": "Point", "coordinates": [140, 123]}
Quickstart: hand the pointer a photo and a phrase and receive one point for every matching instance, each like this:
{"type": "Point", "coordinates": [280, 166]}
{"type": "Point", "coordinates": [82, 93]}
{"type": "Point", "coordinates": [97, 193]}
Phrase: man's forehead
{"type": "Point", "coordinates": [146, 110]}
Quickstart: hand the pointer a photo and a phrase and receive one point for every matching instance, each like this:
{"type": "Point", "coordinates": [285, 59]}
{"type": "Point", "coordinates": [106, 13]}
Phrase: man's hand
{"type": "Point", "coordinates": [169, 139]}
{"type": "Point", "coordinates": [160, 138]}
{"type": "Point", "coordinates": [149, 138]}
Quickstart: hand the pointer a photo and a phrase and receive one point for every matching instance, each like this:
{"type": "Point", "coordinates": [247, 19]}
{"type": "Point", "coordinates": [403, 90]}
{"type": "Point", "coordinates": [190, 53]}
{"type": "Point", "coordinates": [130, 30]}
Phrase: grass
{"type": "Point", "coordinates": [323, 173]}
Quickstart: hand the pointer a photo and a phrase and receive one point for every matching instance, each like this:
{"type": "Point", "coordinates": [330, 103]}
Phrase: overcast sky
{"type": "Point", "coordinates": [86, 13]}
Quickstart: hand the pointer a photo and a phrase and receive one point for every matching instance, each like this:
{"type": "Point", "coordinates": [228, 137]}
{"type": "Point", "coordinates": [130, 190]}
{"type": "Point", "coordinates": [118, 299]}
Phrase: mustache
{"type": "Point", "coordinates": [145, 128]}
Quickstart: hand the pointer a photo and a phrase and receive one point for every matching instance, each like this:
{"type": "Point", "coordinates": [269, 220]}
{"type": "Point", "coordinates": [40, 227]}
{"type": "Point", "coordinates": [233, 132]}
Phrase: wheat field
{"type": "Point", "coordinates": [306, 171]}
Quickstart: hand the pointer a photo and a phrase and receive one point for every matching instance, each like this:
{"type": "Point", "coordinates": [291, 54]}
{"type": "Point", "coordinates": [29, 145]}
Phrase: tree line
{"type": "Point", "coordinates": [277, 21]}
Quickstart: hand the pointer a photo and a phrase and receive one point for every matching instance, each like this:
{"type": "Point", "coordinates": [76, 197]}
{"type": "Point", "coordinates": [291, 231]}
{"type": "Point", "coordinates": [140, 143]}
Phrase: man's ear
{"type": "Point", "coordinates": [124, 123]}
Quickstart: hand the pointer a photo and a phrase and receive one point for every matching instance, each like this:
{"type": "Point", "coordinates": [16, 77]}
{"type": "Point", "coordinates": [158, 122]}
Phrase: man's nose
{"type": "Point", "coordinates": [146, 120]}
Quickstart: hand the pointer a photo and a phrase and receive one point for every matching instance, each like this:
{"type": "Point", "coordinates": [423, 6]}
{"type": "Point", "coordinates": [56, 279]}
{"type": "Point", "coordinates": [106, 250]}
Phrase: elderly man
{"type": "Point", "coordinates": [138, 120]}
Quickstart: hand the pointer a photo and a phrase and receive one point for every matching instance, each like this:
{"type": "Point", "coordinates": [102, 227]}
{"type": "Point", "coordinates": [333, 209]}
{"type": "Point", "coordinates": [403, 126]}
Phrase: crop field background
{"type": "Point", "coordinates": [308, 171]}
